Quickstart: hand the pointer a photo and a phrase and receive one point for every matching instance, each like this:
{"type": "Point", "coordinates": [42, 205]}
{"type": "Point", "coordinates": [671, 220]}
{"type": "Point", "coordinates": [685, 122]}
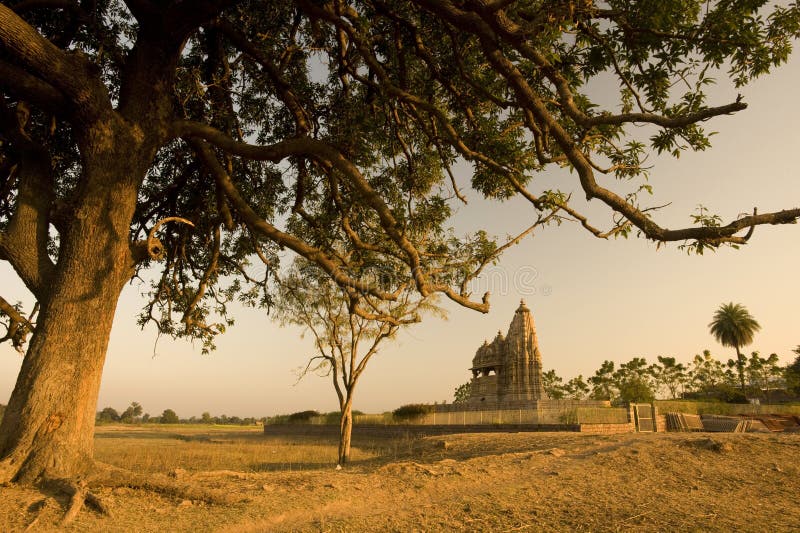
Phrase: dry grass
{"type": "Point", "coordinates": [162, 449]}
{"type": "Point", "coordinates": [470, 482]}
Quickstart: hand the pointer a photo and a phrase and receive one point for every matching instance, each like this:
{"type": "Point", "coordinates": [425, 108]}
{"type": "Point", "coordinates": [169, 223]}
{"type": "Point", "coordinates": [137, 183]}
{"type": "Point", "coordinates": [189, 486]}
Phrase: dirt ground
{"type": "Point", "coordinates": [467, 482]}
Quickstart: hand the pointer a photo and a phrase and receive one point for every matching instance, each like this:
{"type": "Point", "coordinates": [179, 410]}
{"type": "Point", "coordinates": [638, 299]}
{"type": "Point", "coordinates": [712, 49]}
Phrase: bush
{"type": "Point", "coordinates": [302, 416]}
{"type": "Point", "coordinates": [2, 411]}
{"type": "Point", "coordinates": [108, 414]}
{"type": "Point", "coordinates": [411, 411]}
{"type": "Point", "coordinates": [732, 395]}
{"type": "Point", "coordinates": [169, 417]}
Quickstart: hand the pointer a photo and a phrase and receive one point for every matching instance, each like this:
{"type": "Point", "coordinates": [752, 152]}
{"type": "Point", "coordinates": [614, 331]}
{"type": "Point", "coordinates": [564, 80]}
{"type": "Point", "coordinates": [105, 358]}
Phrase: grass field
{"type": "Point", "coordinates": [468, 482]}
{"type": "Point", "coordinates": [162, 448]}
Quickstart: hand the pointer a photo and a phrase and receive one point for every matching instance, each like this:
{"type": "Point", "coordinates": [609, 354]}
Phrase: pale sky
{"type": "Point", "coordinates": [591, 300]}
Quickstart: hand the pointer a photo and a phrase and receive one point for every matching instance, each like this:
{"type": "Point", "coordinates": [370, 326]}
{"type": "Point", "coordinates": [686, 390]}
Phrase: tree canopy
{"type": "Point", "coordinates": [734, 326]}
{"type": "Point", "coordinates": [206, 137]}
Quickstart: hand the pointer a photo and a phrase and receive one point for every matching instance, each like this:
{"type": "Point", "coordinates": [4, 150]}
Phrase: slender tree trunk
{"type": "Point", "coordinates": [740, 367]}
{"type": "Point", "coordinates": [345, 430]}
{"type": "Point", "coordinates": [48, 427]}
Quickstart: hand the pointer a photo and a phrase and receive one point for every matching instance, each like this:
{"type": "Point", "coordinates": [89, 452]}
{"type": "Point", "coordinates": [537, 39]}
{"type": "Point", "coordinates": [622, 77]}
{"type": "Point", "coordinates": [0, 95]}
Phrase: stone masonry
{"type": "Point", "coordinates": [508, 371]}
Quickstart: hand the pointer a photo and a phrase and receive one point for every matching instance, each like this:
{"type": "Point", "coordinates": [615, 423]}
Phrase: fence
{"type": "Point", "coordinates": [719, 408]}
{"type": "Point", "coordinates": [574, 415]}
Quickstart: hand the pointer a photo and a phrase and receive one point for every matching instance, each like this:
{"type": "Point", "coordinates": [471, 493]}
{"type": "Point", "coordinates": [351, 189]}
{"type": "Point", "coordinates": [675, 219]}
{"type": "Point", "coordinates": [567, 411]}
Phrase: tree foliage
{"type": "Point", "coordinates": [793, 372]}
{"type": "Point", "coordinates": [411, 412]}
{"type": "Point", "coordinates": [603, 385]}
{"type": "Point", "coordinates": [132, 413]}
{"type": "Point", "coordinates": [462, 393]}
{"type": "Point", "coordinates": [169, 417]}
{"type": "Point", "coordinates": [108, 414]}
{"type": "Point", "coordinates": [670, 374]}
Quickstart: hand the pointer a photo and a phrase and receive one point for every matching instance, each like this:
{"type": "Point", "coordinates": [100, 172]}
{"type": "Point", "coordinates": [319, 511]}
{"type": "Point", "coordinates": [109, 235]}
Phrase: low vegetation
{"type": "Point", "coordinates": [411, 411]}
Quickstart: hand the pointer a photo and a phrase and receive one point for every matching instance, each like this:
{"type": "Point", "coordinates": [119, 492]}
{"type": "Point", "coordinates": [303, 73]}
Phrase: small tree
{"type": "Point", "coordinates": [763, 373]}
{"type": "Point", "coordinates": [603, 387]}
{"type": "Point", "coordinates": [733, 326]}
{"type": "Point", "coordinates": [635, 382]}
{"type": "Point", "coordinates": [132, 413]}
{"type": "Point", "coordinates": [348, 328]}
{"type": "Point", "coordinates": [553, 385]}
{"type": "Point", "coordinates": [792, 373]}
{"type": "Point", "coordinates": [462, 392]}
{"type": "Point", "coordinates": [169, 417]}
{"type": "Point", "coordinates": [670, 375]}
{"type": "Point", "coordinates": [108, 414]}
{"type": "Point", "coordinates": [706, 373]}
{"type": "Point", "coordinates": [205, 418]}
{"type": "Point", "coordinates": [576, 388]}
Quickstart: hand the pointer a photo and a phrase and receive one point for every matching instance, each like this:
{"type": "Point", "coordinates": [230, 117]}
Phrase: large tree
{"type": "Point", "coordinates": [265, 124]}
{"type": "Point", "coordinates": [734, 326]}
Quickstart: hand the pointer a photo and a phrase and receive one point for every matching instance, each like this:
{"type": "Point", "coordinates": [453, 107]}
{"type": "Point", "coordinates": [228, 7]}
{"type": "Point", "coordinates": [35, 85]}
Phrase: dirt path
{"type": "Point", "coordinates": [487, 482]}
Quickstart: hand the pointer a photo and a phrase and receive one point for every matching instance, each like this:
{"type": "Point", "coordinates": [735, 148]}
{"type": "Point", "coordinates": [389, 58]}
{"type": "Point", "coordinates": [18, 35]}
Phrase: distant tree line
{"type": "Point", "coordinates": [134, 415]}
{"type": "Point", "coordinates": [705, 377]}
{"type": "Point", "coordinates": [304, 417]}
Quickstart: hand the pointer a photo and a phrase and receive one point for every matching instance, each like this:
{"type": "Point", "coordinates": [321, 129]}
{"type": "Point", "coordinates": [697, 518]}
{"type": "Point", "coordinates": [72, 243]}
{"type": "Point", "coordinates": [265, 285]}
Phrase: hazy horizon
{"type": "Point", "coordinates": [592, 300]}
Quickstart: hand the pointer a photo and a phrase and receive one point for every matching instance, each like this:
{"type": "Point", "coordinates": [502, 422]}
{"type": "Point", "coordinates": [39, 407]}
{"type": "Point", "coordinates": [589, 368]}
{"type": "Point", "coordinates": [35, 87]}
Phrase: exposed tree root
{"type": "Point", "coordinates": [112, 476]}
{"type": "Point", "coordinates": [76, 501]}
{"type": "Point", "coordinates": [37, 508]}
{"type": "Point", "coordinates": [104, 476]}
{"type": "Point", "coordinates": [79, 496]}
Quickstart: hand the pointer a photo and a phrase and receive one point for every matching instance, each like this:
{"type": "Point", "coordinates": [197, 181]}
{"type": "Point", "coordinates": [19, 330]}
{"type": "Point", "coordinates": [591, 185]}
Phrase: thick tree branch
{"type": "Point", "coordinates": [68, 73]}
{"type": "Point", "coordinates": [27, 235]}
{"type": "Point", "coordinates": [24, 86]}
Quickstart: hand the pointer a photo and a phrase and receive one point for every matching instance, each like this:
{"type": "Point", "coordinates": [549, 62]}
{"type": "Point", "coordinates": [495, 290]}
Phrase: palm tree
{"type": "Point", "coordinates": [734, 326]}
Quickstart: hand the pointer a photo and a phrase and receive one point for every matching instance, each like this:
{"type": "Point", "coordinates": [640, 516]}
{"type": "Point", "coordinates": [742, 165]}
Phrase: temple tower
{"type": "Point", "coordinates": [510, 368]}
{"type": "Point", "coordinates": [524, 376]}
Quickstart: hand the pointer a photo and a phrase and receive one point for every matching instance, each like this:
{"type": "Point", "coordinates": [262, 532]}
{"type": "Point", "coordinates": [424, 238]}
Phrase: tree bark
{"type": "Point", "coordinates": [740, 367]}
{"type": "Point", "coordinates": [345, 431]}
{"type": "Point", "coordinates": [48, 427]}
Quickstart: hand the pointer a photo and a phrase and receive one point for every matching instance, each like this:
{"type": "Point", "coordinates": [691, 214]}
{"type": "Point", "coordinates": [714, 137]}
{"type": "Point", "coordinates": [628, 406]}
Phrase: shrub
{"type": "Point", "coordinates": [302, 416]}
{"type": "Point", "coordinates": [411, 411]}
{"type": "Point", "coordinates": [169, 417]}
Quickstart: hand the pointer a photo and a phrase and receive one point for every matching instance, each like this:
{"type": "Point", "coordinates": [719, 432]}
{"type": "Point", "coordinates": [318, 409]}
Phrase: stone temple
{"type": "Point", "coordinates": [508, 371]}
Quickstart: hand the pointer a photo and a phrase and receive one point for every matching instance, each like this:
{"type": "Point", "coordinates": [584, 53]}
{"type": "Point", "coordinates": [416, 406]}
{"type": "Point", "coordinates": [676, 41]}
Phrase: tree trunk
{"type": "Point", "coordinates": [345, 431]}
{"type": "Point", "coordinates": [48, 427]}
{"type": "Point", "coordinates": [740, 367]}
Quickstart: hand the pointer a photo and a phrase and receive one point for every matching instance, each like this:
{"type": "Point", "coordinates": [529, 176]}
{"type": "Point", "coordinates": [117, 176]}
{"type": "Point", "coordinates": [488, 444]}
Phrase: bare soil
{"type": "Point", "coordinates": [466, 482]}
